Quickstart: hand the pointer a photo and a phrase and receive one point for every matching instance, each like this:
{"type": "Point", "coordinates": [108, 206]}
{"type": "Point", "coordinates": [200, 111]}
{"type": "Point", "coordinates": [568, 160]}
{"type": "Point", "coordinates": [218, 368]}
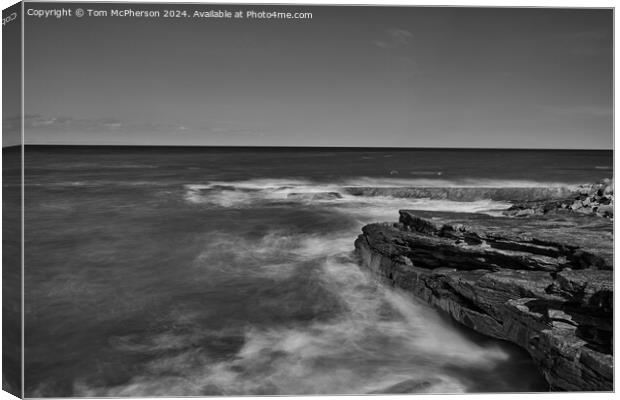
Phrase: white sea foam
{"type": "Point", "coordinates": [382, 208]}
{"type": "Point", "coordinates": [364, 208]}
{"type": "Point", "coordinates": [249, 193]}
{"type": "Point", "coordinates": [240, 193]}
{"type": "Point", "coordinates": [381, 338]}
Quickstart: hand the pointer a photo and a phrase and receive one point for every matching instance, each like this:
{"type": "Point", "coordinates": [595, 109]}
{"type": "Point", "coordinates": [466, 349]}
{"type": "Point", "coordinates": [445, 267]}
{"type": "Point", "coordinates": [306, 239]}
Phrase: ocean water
{"type": "Point", "coordinates": [179, 271]}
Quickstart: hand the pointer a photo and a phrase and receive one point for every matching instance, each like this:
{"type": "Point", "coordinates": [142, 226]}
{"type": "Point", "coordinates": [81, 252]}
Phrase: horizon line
{"type": "Point", "coordinates": [307, 147]}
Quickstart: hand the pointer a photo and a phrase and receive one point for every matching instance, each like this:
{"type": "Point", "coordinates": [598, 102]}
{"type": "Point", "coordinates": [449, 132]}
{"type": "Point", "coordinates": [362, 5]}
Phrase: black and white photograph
{"type": "Point", "coordinates": [227, 199]}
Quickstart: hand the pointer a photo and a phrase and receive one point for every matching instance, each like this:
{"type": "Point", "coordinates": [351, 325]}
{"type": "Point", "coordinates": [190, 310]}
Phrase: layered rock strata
{"type": "Point", "coordinates": [546, 285]}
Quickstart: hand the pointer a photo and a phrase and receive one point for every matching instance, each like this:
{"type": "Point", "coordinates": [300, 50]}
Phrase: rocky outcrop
{"type": "Point", "coordinates": [597, 199]}
{"type": "Point", "coordinates": [466, 193]}
{"type": "Point", "coordinates": [545, 293]}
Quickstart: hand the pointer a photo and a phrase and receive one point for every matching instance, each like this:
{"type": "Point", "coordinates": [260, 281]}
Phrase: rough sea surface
{"type": "Point", "coordinates": [179, 271]}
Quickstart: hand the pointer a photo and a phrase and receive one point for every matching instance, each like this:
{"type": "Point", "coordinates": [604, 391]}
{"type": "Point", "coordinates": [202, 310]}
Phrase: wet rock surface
{"type": "Point", "coordinates": [545, 284]}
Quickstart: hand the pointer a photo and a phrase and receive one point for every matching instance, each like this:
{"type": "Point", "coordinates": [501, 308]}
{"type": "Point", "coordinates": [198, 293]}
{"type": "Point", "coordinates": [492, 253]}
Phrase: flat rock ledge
{"type": "Point", "coordinates": [553, 299]}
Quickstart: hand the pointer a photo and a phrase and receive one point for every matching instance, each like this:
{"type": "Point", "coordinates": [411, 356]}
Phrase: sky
{"type": "Point", "coordinates": [11, 82]}
{"type": "Point", "coordinates": [350, 76]}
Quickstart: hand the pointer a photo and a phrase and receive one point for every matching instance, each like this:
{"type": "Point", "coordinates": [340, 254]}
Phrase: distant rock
{"type": "Point", "coordinates": [315, 196]}
{"type": "Point", "coordinates": [465, 193]}
{"type": "Point", "coordinates": [544, 284]}
{"type": "Point", "coordinates": [597, 199]}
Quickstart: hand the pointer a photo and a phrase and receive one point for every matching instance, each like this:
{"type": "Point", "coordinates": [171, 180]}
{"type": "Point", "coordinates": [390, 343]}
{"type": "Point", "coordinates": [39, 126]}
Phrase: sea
{"type": "Point", "coordinates": [178, 271]}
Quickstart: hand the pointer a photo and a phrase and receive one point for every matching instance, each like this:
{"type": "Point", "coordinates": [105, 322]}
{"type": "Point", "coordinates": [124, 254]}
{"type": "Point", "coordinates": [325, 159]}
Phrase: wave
{"type": "Point", "coordinates": [424, 194]}
{"type": "Point", "coordinates": [239, 193]}
{"type": "Point", "coordinates": [276, 255]}
{"type": "Point", "coordinates": [460, 190]}
{"type": "Point", "coordinates": [462, 193]}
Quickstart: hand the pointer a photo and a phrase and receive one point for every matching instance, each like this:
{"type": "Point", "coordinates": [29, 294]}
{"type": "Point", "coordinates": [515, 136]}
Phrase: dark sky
{"type": "Point", "coordinates": [350, 76]}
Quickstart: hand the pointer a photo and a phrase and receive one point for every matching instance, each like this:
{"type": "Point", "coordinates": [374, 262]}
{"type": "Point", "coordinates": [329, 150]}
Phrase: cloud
{"type": "Point", "coordinates": [396, 42]}
{"type": "Point", "coordinates": [98, 125]}
{"type": "Point", "coordinates": [231, 129]}
{"type": "Point", "coordinates": [394, 38]}
{"type": "Point", "coordinates": [45, 125]}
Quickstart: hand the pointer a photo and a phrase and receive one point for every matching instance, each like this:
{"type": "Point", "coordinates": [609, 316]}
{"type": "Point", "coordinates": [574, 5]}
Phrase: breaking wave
{"type": "Point", "coordinates": [423, 194]}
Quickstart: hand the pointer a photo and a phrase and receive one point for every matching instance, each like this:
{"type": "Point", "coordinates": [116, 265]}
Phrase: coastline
{"type": "Point", "coordinates": [542, 280]}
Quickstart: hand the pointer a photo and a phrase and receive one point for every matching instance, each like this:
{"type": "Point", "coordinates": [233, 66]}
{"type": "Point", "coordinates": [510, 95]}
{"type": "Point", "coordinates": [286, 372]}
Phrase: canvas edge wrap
{"type": "Point", "coordinates": [12, 204]}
